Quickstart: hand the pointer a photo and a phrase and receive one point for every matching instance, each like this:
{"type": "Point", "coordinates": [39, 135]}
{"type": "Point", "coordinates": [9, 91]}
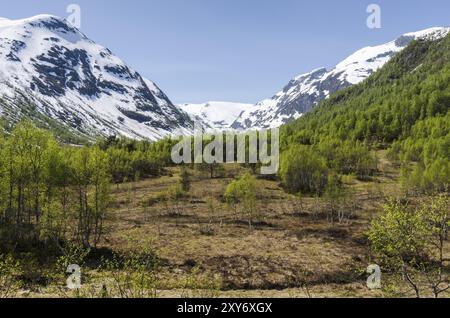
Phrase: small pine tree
{"type": "Point", "coordinates": [185, 179]}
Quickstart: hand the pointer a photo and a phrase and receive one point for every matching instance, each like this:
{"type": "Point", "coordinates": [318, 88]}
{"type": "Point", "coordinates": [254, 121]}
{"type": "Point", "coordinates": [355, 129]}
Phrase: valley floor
{"type": "Point", "coordinates": [292, 250]}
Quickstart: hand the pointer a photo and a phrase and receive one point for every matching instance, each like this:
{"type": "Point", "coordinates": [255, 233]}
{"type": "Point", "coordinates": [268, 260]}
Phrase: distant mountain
{"type": "Point", "coordinates": [215, 115]}
{"type": "Point", "coordinates": [405, 107]}
{"type": "Point", "coordinates": [52, 73]}
{"type": "Point", "coordinates": [305, 91]}
{"type": "Point", "coordinates": [49, 70]}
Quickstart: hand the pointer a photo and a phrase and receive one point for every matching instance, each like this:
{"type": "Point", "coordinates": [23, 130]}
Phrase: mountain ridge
{"type": "Point", "coordinates": [72, 79]}
{"type": "Point", "coordinates": [304, 91]}
{"type": "Point", "coordinates": [51, 71]}
{"type": "Point", "coordinates": [215, 115]}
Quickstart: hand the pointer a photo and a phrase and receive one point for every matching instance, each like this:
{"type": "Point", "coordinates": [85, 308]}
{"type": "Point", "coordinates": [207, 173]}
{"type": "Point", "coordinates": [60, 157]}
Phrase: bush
{"type": "Point", "coordinates": [185, 180]}
{"type": "Point", "coordinates": [133, 276]}
{"type": "Point", "coordinates": [412, 241]}
{"type": "Point", "coordinates": [243, 191]}
{"type": "Point", "coordinates": [9, 269]}
{"type": "Point", "coordinates": [303, 170]}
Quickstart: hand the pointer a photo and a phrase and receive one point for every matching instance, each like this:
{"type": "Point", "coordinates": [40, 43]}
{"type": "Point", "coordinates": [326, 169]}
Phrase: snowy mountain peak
{"type": "Point", "coordinates": [215, 115]}
{"type": "Point", "coordinates": [48, 63]}
{"type": "Point", "coordinates": [306, 75]}
{"type": "Point", "coordinates": [430, 33]}
{"type": "Point", "coordinates": [54, 24]}
{"type": "Point", "coordinates": [304, 91]}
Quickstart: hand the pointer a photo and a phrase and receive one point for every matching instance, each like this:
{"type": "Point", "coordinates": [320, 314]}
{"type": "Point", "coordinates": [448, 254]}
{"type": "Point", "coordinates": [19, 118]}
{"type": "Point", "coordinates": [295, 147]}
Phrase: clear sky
{"type": "Point", "coordinates": [235, 50]}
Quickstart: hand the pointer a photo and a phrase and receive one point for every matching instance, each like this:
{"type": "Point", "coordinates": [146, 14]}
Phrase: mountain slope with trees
{"type": "Point", "coordinates": [403, 107]}
{"type": "Point", "coordinates": [305, 91]}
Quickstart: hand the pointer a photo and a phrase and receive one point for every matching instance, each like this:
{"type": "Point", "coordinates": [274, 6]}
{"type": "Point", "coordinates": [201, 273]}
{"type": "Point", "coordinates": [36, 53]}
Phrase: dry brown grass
{"type": "Point", "coordinates": [292, 248]}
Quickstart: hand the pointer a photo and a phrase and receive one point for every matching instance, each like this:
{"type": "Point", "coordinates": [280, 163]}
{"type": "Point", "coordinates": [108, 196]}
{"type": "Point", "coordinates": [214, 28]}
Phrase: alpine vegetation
{"type": "Point", "coordinates": [244, 148]}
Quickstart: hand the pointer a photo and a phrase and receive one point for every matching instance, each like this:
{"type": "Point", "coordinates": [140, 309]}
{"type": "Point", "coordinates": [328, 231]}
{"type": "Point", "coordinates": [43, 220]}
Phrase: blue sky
{"type": "Point", "coordinates": [235, 50]}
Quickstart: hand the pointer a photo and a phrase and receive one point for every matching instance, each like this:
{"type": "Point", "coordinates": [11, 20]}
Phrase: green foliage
{"type": "Point", "coordinates": [429, 147]}
{"type": "Point", "coordinates": [54, 193]}
{"type": "Point", "coordinates": [128, 158]}
{"type": "Point", "coordinates": [303, 170]}
{"type": "Point", "coordinates": [9, 269]}
{"type": "Point", "coordinates": [335, 195]}
{"type": "Point", "coordinates": [405, 104]}
{"type": "Point", "coordinates": [413, 239]}
{"type": "Point", "coordinates": [185, 180]}
{"type": "Point", "coordinates": [243, 191]}
{"type": "Point", "coordinates": [133, 276]}
{"type": "Point", "coordinates": [72, 254]}
{"type": "Point", "coordinates": [92, 184]}
{"type": "Point", "coordinates": [399, 234]}
{"type": "Point", "coordinates": [47, 189]}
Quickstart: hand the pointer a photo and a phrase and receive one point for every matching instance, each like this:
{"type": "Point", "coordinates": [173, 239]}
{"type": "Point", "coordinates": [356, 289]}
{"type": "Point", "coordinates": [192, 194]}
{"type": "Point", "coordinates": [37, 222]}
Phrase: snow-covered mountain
{"type": "Point", "coordinates": [49, 69]}
{"type": "Point", "coordinates": [215, 115]}
{"type": "Point", "coordinates": [305, 91]}
{"type": "Point", "coordinates": [52, 72]}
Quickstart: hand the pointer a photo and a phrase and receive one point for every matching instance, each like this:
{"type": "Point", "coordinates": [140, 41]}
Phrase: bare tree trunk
{"type": "Point", "coordinates": [408, 278]}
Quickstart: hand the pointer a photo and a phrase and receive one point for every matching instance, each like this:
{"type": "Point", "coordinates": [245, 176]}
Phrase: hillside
{"type": "Point", "coordinates": [305, 91]}
{"type": "Point", "coordinates": [138, 226]}
{"type": "Point", "coordinates": [404, 106]}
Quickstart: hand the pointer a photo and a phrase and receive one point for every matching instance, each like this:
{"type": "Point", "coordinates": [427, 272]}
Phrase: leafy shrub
{"type": "Point", "coordinates": [243, 191]}
{"type": "Point", "coordinates": [303, 170]}
{"type": "Point", "coordinates": [9, 269]}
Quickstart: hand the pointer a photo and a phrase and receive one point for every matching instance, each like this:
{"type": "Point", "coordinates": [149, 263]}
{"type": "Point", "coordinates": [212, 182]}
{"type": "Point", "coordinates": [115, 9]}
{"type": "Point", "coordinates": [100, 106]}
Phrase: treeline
{"type": "Point", "coordinates": [134, 159]}
{"type": "Point", "coordinates": [403, 107]}
{"type": "Point", "coordinates": [51, 193]}
{"type": "Point", "coordinates": [428, 147]}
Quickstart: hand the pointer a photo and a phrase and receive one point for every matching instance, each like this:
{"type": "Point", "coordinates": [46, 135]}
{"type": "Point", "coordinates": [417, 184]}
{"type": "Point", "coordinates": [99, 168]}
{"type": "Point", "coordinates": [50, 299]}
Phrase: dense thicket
{"type": "Point", "coordinates": [404, 106]}
{"type": "Point", "coordinates": [52, 193]}
{"type": "Point", "coordinates": [132, 159]}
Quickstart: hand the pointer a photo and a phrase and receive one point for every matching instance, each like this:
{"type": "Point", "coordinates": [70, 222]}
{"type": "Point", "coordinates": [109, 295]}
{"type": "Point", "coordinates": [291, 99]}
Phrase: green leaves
{"type": "Point", "coordinates": [47, 188]}
{"type": "Point", "coordinates": [9, 268]}
{"type": "Point", "coordinates": [406, 103]}
{"type": "Point", "coordinates": [243, 191]}
{"type": "Point", "coordinates": [398, 234]}
{"type": "Point", "coordinates": [303, 170]}
{"type": "Point", "coordinates": [405, 234]}
{"type": "Point", "coordinates": [413, 239]}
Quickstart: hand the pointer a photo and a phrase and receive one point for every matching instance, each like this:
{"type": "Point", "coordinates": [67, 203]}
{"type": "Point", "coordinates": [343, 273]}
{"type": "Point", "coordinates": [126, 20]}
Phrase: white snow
{"type": "Point", "coordinates": [353, 70]}
{"type": "Point", "coordinates": [100, 113]}
{"type": "Point", "coordinates": [215, 115]}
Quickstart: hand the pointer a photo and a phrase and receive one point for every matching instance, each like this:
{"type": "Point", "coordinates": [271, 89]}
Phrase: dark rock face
{"type": "Point", "coordinates": [404, 40]}
{"type": "Point", "coordinates": [297, 101]}
{"type": "Point", "coordinates": [146, 102]}
{"type": "Point", "coordinates": [303, 102]}
{"type": "Point", "coordinates": [16, 47]}
{"type": "Point", "coordinates": [58, 70]}
{"type": "Point", "coordinates": [55, 24]}
{"type": "Point", "coordinates": [66, 76]}
{"type": "Point", "coordinates": [387, 54]}
{"type": "Point", "coordinates": [108, 85]}
{"type": "Point", "coordinates": [122, 72]}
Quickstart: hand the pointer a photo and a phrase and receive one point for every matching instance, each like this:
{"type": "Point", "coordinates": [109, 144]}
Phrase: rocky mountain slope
{"type": "Point", "coordinates": [306, 90]}
{"type": "Point", "coordinates": [215, 115]}
{"type": "Point", "coordinates": [50, 71]}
